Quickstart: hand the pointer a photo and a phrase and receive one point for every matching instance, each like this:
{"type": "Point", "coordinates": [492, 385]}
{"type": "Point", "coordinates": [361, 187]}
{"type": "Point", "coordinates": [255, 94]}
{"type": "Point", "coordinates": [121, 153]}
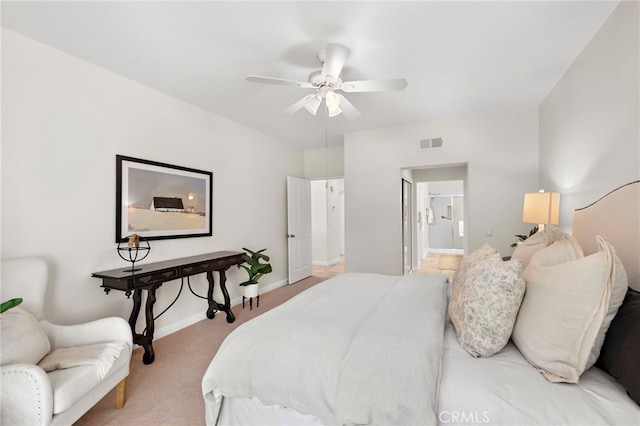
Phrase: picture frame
{"type": "Point", "coordinates": [162, 201]}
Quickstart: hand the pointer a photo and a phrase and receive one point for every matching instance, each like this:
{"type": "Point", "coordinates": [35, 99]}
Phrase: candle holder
{"type": "Point", "coordinates": [136, 250]}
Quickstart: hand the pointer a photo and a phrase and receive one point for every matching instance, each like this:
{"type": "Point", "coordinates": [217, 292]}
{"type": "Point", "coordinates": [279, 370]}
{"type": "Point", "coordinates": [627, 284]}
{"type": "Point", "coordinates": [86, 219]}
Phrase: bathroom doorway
{"type": "Point", "coordinates": [446, 226]}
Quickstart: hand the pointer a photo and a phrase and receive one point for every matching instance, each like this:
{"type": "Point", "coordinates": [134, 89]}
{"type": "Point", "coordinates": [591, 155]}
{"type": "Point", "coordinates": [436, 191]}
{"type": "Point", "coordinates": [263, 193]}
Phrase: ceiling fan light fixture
{"type": "Point", "coordinates": [312, 104]}
{"type": "Point", "coordinates": [334, 111]}
{"type": "Point", "coordinates": [328, 80]}
{"type": "Point", "coordinates": [332, 100]}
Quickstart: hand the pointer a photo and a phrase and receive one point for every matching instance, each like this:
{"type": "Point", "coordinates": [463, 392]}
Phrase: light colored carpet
{"type": "Point", "coordinates": [168, 392]}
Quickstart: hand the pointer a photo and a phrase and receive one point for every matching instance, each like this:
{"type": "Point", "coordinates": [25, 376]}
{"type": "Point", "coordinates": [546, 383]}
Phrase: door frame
{"type": "Point", "coordinates": [407, 226]}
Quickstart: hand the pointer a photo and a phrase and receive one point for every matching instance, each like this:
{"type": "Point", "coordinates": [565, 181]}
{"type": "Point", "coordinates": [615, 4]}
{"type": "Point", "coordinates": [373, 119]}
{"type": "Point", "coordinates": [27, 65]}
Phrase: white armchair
{"type": "Point", "coordinates": [32, 396]}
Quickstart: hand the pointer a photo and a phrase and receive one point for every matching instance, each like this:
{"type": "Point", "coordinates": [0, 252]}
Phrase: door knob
{"type": "Point", "coordinates": [291, 235]}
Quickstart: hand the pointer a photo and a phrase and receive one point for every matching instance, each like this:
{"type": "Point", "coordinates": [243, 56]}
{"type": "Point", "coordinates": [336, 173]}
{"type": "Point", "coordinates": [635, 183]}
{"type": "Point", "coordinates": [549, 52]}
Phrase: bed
{"type": "Point", "coordinates": [376, 349]}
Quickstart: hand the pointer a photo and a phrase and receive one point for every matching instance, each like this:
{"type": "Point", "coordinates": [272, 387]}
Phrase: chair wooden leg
{"type": "Point", "coordinates": [121, 393]}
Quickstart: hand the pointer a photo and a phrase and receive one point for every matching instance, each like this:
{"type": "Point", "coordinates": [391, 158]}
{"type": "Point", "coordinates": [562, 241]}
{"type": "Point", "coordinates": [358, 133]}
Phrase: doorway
{"type": "Point", "coordinates": [327, 227]}
{"type": "Point", "coordinates": [407, 229]}
{"type": "Point", "coordinates": [442, 206]}
{"type": "Point", "coordinates": [446, 224]}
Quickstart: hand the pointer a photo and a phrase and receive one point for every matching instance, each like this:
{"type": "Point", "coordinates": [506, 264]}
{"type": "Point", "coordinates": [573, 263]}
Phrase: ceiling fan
{"type": "Point", "coordinates": [327, 81]}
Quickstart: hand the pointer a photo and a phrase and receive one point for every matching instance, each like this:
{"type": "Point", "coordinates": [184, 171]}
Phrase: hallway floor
{"type": "Point", "coordinates": [328, 271]}
{"type": "Point", "coordinates": [443, 262]}
{"type": "Point", "coordinates": [440, 262]}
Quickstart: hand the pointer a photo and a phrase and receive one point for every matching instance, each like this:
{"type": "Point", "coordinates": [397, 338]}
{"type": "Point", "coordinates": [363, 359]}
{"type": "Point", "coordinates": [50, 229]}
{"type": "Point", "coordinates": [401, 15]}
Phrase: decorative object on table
{"type": "Point", "coordinates": [159, 201]}
{"type": "Point", "coordinates": [258, 266]}
{"type": "Point", "coordinates": [522, 238]}
{"type": "Point", "coordinates": [12, 303]}
{"type": "Point", "coordinates": [134, 241]}
{"type": "Point", "coordinates": [135, 252]}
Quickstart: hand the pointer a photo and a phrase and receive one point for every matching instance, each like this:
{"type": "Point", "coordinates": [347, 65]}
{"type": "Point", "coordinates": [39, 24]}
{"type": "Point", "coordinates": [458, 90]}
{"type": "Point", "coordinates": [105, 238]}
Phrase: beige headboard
{"type": "Point", "coordinates": [616, 218]}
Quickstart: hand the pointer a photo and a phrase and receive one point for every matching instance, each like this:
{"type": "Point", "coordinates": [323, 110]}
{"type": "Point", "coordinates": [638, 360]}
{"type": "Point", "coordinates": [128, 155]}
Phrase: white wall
{"type": "Point", "coordinates": [501, 153]}
{"type": "Point", "coordinates": [64, 120]}
{"type": "Point", "coordinates": [590, 121]}
{"type": "Point", "coordinates": [324, 163]}
{"type": "Point", "coordinates": [446, 187]}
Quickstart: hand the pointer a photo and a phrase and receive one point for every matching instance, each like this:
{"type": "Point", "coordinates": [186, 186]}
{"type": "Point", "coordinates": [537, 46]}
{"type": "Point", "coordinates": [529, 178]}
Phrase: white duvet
{"type": "Point", "coordinates": [327, 356]}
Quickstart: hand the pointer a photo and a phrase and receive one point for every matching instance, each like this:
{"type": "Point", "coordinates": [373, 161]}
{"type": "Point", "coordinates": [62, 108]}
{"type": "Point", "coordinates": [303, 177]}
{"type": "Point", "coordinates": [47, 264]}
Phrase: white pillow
{"type": "Point", "coordinates": [23, 340]}
{"type": "Point", "coordinates": [619, 285]}
{"type": "Point", "coordinates": [564, 308]}
{"type": "Point", "coordinates": [532, 245]}
{"type": "Point", "coordinates": [489, 306]}
{"type": "Point", "coordinates": [525, 250]}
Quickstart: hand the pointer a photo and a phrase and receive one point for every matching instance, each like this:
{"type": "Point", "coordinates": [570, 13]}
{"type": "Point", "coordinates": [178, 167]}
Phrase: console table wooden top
{"type": "Point", "coordinates": [220, 259]}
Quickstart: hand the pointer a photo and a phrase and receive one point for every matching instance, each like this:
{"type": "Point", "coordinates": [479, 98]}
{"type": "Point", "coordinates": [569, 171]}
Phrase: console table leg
{"type": "Point", "coordinates": [137, 302]}
{"type": "Point", "coordinates": [227, 299]}
{"type": "Point", "coordinates": [147, 341]}
{"type": "Point", "coordinates": [213, 305]}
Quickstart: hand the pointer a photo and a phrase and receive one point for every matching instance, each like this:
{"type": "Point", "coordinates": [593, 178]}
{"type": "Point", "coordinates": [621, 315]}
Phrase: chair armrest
{"type": "Point", "coordinates": [112, 329]}
{"type": "Point", "coordinates": [26, 395]}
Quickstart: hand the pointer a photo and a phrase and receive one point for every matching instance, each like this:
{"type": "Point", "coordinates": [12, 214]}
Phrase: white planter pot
{"type": "Point", "coordinates": [251, 290]}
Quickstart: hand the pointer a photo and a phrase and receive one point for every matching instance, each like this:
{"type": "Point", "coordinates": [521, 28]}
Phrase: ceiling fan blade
{"type": "Point", "coordinates": [335, 57]}
{"type": "Point", "coordinates": [280, 81]}
{"type": "Point", "coordinates": [348, 109]}
{"type": "Point", "coordinates": [374, 85]}
{"type": "Point", "coordinates": [297, 105]}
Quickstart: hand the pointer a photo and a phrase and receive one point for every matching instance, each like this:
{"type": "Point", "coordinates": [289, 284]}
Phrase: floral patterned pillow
{"type": "Point", "coordinates": [488, 306]}
{"type": "Point", "coordinates": [460, 276]}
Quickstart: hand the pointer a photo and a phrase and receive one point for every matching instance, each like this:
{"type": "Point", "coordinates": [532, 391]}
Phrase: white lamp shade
{"type": "Point", "coordinates": [334, 111]}
{"type": "Point", "coordinates": [333, 100]}
{"type": "Point", "coordinates": [541, 208]}
{"type": "Point", "coordinates": [312, 104]}
{"type": "Point", "coordinates": [333, 103]}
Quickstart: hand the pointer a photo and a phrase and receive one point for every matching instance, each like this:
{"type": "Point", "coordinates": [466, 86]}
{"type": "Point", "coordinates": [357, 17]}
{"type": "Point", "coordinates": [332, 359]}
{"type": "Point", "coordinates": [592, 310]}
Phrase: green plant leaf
{"type": "Point", "coordinates": [255, 269]}
{"type": "Point", "coordinates": [5, 306]}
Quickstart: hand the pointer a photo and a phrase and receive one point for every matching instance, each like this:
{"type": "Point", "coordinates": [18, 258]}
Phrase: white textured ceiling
{"type": "Point", "coordinates": [458, 57]}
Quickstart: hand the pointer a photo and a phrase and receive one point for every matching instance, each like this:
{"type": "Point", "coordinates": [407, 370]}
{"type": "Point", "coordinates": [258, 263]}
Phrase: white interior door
{"type": "Point", "coordinates": [299, 228]}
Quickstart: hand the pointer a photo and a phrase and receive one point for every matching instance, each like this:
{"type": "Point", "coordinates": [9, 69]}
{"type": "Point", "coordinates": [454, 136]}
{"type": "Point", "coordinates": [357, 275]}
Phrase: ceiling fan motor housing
{"type": "Point", "coordinates": [319, 80]}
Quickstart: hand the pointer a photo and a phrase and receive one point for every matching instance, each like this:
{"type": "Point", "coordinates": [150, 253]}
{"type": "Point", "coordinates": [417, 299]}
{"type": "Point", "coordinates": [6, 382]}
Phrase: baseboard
{"type": "Point", "coordinates": [190, 320]}
{"type": "Point", "coordinates": [329, 263]}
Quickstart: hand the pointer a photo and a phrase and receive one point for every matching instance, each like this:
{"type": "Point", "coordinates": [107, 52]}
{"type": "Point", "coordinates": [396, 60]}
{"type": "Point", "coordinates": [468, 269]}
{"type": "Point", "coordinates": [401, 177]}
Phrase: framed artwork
{"type": "Point", "coordinates": [161, 201]}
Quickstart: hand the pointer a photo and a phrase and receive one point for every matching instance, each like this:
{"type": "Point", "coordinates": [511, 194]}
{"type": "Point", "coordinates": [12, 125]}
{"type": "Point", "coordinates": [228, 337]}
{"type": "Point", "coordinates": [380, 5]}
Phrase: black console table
{"type": "Point", "coordinates": [151, 276]}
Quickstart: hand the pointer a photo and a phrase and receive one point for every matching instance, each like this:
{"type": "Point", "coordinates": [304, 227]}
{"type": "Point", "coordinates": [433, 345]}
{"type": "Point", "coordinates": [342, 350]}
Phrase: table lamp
{"type": "Point", "coordinates": [542, 208]}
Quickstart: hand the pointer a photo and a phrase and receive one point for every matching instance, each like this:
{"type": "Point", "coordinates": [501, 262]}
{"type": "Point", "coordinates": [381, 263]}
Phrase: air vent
{"type": "Point", "coordinates": [430, 143]}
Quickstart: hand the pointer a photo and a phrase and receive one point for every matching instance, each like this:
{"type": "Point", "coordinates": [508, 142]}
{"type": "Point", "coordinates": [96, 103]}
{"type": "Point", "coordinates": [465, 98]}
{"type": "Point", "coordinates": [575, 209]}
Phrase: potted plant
{"type": "Point", "coordinates": [523, 238]}
{"type": "Point", "coordinates": [257, 266]}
